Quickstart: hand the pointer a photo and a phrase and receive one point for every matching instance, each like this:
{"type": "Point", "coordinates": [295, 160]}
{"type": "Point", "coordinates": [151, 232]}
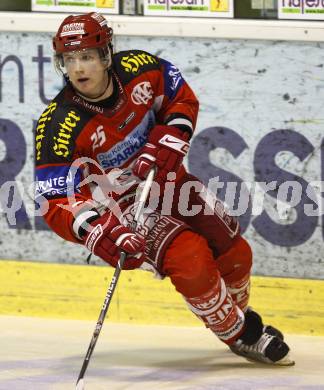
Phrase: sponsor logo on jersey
{"type": "Point", "coordinates": [72, 29]}
{"type": "Point", "coordinates": [62, 139]}
{"type": "Point", "coordinates": [87, 105]}
{"type": "Point", "coordinates": [124, 150]}
{"type": "Point", "coordinates": [173, 79]}
{"type": "Point", "coordinates": [142, 93]}
{"type": "Point", "coordinates": [133, 62]}
{"type": "Point", "coordinates": [175, 76]}
{"type": "Point", "coordinates": [57, 180]}
{"type": "Point", "coordinates": [41, 125]}
{"type": "Point", "coordinates": [127, 120]}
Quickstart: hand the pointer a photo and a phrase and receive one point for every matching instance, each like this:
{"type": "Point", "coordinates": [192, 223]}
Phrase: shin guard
{"type": "Point", "coordinates": [240, 292]}
{"type": "Point", "coordinates": [219, 313]}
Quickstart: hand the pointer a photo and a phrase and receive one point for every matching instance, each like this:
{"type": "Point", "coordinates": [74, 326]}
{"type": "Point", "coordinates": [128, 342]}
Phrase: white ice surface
{"type": "Point", "coordinates": [48, 354]}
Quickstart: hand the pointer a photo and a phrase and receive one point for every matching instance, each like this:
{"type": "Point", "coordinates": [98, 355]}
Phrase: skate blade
{"type": "Point", "coordinates": [284, 362]}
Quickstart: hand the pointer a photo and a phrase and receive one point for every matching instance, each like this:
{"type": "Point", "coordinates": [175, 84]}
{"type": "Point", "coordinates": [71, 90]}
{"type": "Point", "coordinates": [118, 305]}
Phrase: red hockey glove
{"type": "Point", "coordinates": [106, 237]}
{"type": "Point", "coordinates": [166, 148]}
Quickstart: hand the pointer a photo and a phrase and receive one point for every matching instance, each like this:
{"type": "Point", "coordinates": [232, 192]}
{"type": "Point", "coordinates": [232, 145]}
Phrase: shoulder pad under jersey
{"type": "Point", "coordinates": [131, 63]}
{"type": "Point", "coordinates": [57, 130]}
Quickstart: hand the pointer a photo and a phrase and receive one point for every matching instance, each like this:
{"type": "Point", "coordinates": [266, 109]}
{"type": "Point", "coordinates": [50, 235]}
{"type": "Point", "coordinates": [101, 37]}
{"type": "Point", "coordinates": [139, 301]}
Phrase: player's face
{"type": "Point", "coordinates": [87, 72]}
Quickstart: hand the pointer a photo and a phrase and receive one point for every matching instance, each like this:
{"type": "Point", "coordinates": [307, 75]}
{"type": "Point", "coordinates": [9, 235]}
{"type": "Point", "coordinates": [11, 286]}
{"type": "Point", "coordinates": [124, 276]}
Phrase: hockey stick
{"type": "Point", "coordinates": [113, 283]}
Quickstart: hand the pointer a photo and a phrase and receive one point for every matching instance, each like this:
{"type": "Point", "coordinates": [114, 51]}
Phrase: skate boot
{"type": "Point", "coordinates": [269, 328]}
{"type": "Point", "coordinates": [255, 344]}
{"type": "Point", "coordinates": [272, 331]}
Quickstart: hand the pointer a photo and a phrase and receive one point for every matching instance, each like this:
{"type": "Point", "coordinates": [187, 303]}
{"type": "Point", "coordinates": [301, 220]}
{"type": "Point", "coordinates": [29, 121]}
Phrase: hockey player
{"type": "Point", "coordinates": [127, 113]}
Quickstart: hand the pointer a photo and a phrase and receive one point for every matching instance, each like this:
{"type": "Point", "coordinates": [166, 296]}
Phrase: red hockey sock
{"type": "Point", "coordinates": [235, 267]}
{"type": "Point", "coordinates": [193, 271]}
{"type": "Point", "coordinates": [219, 312]}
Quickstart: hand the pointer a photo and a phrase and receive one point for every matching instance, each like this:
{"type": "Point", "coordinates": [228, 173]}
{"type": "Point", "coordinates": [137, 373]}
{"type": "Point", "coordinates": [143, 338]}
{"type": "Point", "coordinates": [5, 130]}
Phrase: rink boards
{"type": "Point", "coordinates": [77, 292]}
{"type": "Point", "coordinates": [258, 126]}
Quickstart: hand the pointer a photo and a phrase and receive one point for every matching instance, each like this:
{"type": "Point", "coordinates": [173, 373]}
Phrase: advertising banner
{"type": "Point", "coordinates": [199, 8]}
{"type": "Point", "coordinates": [258, 143]}
{"type": "Point", "coordinates": [77, 6]}
{"type": "Point", "coordinates": [301, 9]}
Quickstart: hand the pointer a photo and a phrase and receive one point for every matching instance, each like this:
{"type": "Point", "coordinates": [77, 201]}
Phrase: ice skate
{"type": "Point", "coordinates": [269, 329]}
{"type": "Point", "coordinates": [269, 348]}
{"type": "Point", "coordinates": [272, 331]}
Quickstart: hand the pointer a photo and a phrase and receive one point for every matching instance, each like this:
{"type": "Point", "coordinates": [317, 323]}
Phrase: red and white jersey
{"type": "Point", "coordinates": [148, 91]}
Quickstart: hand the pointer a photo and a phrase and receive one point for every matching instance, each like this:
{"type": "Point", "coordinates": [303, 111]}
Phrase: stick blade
{"type": "Point", "coordinates": [80, 385]}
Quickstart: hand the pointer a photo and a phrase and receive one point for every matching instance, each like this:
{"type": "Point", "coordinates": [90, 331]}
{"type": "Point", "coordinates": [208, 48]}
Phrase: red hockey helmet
{"type": "Point", "coordinates": [79, 32]}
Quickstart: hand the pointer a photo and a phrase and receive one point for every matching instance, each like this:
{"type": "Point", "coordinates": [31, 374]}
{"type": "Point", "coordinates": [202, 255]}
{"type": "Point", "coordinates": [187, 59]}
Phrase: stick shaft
{"type": "Point", "coordinates": [112, 286]}
{"type": "Point", "coordinates": [144, 195]}
{"type": "Point", "coordinates": [102, 315]}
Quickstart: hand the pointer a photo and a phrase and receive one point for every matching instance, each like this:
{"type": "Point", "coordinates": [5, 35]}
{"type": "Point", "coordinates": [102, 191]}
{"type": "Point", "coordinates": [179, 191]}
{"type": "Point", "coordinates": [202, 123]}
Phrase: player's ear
{"type": "Point", "coordinates": [106, 63]}
{"type": "Point", "coordinates": [107, 60]}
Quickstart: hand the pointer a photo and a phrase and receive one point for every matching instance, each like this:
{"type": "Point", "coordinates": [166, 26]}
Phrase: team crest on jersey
{"type": "Point", "coordinates": [142, 93]}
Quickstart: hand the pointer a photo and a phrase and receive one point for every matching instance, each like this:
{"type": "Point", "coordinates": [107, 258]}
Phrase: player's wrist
{"type": "Point", "coordinates": [83, 221]}
{"type": "Point", "coordinates": [159, 131]}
